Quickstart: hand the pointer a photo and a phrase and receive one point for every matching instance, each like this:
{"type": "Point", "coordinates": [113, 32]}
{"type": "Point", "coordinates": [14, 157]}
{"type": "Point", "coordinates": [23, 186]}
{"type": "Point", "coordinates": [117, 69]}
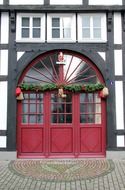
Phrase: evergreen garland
{"type": "Point", "coordinates": [52, 86]}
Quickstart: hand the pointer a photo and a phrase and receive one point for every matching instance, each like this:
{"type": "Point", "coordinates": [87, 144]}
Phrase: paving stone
{"type": "Point", "coordinates": [62, 186]}
{"type": "Point", "coordinates": [113, 180]}
{"type": "Point", "coordinates": [68, 186]}
{"type": "Point", "coordinates": [73, 186]}
{"type": "Point", "coordinates": [57, 186]}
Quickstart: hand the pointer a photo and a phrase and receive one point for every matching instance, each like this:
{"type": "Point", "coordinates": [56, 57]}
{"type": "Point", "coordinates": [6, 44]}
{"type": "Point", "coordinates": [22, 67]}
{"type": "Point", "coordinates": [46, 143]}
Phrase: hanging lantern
{"type": "Point", "coordinates": [20, 97]}
{"type": "Point", "coordinates": [61, 60]}
{"type": "Point", "coordinates": [61, 57]}
{"type": "Point", "coordinates": [104, 92]}
{"type": "Point", "coordinates": [61, 93]}
{"type": "Point", "coordinates": [19, 94]}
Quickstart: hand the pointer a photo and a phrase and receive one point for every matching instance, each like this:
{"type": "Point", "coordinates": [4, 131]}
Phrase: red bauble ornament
{"type": "Point", "coordinates": [18, 91]}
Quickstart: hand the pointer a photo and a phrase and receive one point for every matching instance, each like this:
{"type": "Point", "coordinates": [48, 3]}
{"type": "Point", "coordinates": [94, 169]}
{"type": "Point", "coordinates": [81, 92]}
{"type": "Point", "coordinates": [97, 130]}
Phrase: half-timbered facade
{"type": "Point", "coordinates": [56, 60]}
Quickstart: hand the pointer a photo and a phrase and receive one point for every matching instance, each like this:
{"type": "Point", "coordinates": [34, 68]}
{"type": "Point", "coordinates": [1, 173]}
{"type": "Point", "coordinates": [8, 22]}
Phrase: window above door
{"type": "Point", "coordinates": [92, 28]}
{"type": "Point", "coordinates": [61, 27]}
{"type": "Point", "coordinates": [76, 70]}
{"type": "Point", "coordinates": [30, 27]}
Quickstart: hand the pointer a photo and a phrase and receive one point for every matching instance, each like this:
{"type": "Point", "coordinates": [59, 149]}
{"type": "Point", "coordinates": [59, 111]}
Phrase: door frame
{"type": "Point", "coordinates": [75, 96]}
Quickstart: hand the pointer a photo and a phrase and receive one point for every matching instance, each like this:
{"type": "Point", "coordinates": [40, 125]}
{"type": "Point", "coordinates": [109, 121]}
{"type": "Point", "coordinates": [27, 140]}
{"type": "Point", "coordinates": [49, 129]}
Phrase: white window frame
{"type": "Point", "coordinates": [19, 27]}
{"type": "Point", "coordinates": [24, 2]}
{"type": "Point", "coordinates": [103, 28]}
{"type": "Point", "coordinates": [61, 39]}
{"type": "Point", "coordinates": [65, 2]}
{"type": "Point", "coordinates": [105, 2]}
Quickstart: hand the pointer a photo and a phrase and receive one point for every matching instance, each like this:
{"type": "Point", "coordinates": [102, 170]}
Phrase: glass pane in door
{"type": "Point", "coordinates": [32, 108]}
{"type": "Point", "coordinates": [61, 109]}
{"type": "Point", "coordinates": [90, 108]}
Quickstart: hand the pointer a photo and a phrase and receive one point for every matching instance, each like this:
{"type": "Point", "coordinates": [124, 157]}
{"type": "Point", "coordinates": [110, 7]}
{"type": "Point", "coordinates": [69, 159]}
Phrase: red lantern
{"type": "Point", "coordinates": [18, 91]}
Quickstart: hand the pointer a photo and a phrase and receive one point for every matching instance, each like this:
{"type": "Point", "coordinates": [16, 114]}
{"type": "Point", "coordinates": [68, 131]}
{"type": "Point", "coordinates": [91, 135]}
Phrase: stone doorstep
{"type": "Point", "coordinates": [109, 155]}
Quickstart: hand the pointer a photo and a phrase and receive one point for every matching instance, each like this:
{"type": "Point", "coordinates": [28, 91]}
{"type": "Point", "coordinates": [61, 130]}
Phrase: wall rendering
{"type": "Point", "coordinates": [110, 51]}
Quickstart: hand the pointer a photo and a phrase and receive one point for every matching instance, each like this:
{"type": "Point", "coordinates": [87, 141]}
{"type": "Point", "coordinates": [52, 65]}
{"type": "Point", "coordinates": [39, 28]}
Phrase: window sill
{"type": "Point", "coordinates": [61, 41]}
{"type": "Point", "coordinates": [92, 41]}
{"type": "Point", "coordinates": [30, 41]}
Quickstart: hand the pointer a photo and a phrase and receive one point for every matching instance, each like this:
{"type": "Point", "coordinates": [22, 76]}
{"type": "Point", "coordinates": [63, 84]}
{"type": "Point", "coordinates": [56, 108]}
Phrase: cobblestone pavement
{"type": "Point", "coordinates": [111, 178]}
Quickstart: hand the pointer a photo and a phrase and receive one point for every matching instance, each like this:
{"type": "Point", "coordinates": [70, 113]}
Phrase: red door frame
{"type": "Point", "coordinates": [46, 129]}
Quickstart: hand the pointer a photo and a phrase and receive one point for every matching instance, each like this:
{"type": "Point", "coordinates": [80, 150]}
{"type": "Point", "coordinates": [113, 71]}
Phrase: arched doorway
{"type": "Point", "coordinates": [61, 114]}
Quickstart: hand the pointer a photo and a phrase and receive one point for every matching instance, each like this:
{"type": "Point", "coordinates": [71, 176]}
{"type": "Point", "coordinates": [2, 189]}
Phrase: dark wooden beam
{"type": "Point", "coordinates": [3, 78]}
{"type": "Point", "coordinates": [85, 2]}
{"type": "Point", "coordinates": [6, 2]}
{"type": "Point", "coordinates": [3, 132]}
{"type": "Point", "coordinates": [111, 117]}
{"type": "Point", "coordinates": [62, 8]}
{"type": "Point", "coordinates": [120, 132]}
{"type": "Point", "coordinates": [47, 2]}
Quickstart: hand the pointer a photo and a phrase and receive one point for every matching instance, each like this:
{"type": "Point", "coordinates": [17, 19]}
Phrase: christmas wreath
{"type": "Point", "coordinates": [52, 86]}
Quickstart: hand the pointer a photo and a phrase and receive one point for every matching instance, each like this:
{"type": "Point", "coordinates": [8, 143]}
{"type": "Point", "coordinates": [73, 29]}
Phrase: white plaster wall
{"type": "Point", "coordinates": [3, 62]}
{"type": "Point", "coordinates": [2, 141]}
{"type": "Point", "coordinates": [19, 55]}
{"type": "Point", "coordinates": [117, 28]}
{"type": "Point", "coordinates": [65, 2]}
{"type": "Point", "coordinates": [3, 105]}
{"type": "Point", "coordinates": [103, 55]}
{"type": "Point", "coordinates": [105, 2]}
{"type": "Point", "coordinates": [120, 141]}
{"type": "Point", "coordinates": [1, 1]}
{"type": "Point", "coordinates": [118, 62]}
{"type": "Point", "coordinates": [119, 105]}
{"type": "Point", "coordinates": [4, 28]}
{"type": "Point", "coordinates": [26, 2]}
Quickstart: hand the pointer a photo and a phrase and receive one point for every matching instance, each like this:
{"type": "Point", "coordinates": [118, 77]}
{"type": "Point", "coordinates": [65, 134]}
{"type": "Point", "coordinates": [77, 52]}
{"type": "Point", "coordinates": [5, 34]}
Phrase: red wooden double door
{"type": "Point", "coordinates": [52, 126]}
{"type": "Point", "coordinates": [49, 126]}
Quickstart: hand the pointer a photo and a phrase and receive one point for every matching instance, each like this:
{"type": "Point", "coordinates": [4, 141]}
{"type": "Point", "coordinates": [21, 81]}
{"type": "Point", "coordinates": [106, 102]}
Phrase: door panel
{"type": "Point", "coordinates": [30, 130]}
{"type": "Point", "coordinates": [90, 140]}
{"type": "Point", "coordinates": [61, 140]}
{"type": "Point", "coordinates": [91, 124]}
{"type": "Point", "coordinates": [32, 140]}
{"type": "Point", "coordinates": [61, 128]}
